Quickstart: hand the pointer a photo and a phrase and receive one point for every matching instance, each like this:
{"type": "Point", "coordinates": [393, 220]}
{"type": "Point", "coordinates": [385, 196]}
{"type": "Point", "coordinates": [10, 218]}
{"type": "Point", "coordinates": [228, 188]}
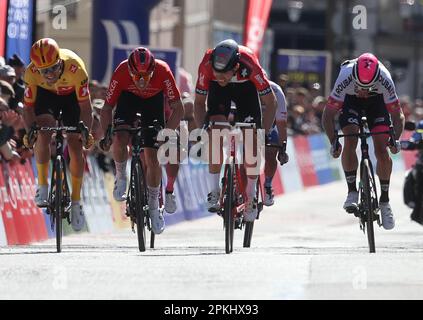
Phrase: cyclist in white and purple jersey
{"type": "Point", "coordinates": [365, 85]}
{"type": "Point", "coordinates": [277, 136]}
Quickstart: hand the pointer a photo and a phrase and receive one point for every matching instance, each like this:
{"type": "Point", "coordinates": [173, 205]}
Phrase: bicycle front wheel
{"type": "Point", "coordinates": [58, 202]}
{"type": "Point", "coordinates": [140, 203]}
{"type": "Point", "coordinates": [228, 216]}
{"type": "Point", "coordinates": [368, 191]}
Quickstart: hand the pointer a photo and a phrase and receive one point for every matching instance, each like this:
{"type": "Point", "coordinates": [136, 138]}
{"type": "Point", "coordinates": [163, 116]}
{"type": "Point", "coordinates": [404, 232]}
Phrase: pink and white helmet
{"type": "Point", "coordinates": [366, 71]}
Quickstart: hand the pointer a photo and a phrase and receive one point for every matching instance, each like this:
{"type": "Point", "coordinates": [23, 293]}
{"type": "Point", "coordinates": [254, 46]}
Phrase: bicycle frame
{"type": "Point", "coordinates": [369, 205]}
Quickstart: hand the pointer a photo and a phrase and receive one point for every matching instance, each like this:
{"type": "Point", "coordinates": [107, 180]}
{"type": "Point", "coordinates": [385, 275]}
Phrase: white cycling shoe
{"type": "Point", "coordinates": [251, 211]}
{"type": "Point", "coordinates": [170, 203]}
{"type": "Point", "coordinates": [41, 196]}
{"type": "Point", "coordinates": [119, 191]}
{"type": "Point", "coordinates": [388, 221]}
{"type": "Point", "coordinates": [351, 204]}
{"type": "Point", "coordinates": [213, 201]}
{"type": "Point", "coordinates": [77, 217]}
{"type": "Point", "coordinates": [269, 200]}
{"type": "Point", "coordinates": [157, 221]}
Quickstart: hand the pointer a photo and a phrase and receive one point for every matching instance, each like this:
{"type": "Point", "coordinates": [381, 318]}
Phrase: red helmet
{"type": "Point", "coordinates": [366, 71]}
{"type": "Point", "coordinates": [141, 62]}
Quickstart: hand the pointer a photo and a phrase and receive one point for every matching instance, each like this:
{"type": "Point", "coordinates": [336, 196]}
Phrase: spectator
{"type": "Point", "coordinates": [8, 74]}
{"type": "Point", "coordinates": [6, 91]}
{"type": "Point", "coordinates": [296, 120]}
{"type": "Point", "coordinates": [19, 86]}
{"type": "Point", "coordinates": [283, 81]}
{"type": "Point", "coordinates": [315, 90]}
{"type": "Point", "coordinates": [406, 106]}
{"type": "Point", "coordinates": [318, 105]}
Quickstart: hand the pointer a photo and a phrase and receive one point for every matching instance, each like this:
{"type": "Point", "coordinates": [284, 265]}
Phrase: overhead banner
{"type": "Point", "coordinates": [255, 23]}
{"type": "Point", "coordinates": [113, 26]}
{"type": "Point", "coordinates": [306, 67]}
{"type": "Point", "coordinates": [19, 40]}
{"type": "Point", "coordinates": [3, 12]}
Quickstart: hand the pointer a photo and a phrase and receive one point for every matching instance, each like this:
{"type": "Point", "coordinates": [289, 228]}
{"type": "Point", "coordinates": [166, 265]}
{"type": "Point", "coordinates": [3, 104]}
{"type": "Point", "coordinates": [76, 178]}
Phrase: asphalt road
{"type": "Point", "coordinates": [304, 247]}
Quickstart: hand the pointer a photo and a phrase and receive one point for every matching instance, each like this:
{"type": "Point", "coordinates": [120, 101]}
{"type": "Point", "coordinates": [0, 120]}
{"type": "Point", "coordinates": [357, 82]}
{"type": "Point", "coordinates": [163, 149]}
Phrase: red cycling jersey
{"type": "Point", "coordinates": [249, 70]}
{"type": "Point", "coordinates": [162, 81]}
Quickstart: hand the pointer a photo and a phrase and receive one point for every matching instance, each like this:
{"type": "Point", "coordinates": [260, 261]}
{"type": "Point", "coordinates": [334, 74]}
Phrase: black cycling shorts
{"type": "Point", "coordinates": [245, 97]}
{"type": "Point", "coordinates": [48, 102]}
{"type": "Point", "coordinates": [373, 108]}
{"type": "Point", "coordinates": [150, 109]}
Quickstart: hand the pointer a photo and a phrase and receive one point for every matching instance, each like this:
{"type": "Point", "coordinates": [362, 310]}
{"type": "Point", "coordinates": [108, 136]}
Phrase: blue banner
{"type": "Point", "coordinates": [305, 67]}
{"type": "Point", "coordinates": [116, 23]}
{"type": "Point", "coordinates": [19, 28]}
{"type": "Point", "coordinates": [321, 159]}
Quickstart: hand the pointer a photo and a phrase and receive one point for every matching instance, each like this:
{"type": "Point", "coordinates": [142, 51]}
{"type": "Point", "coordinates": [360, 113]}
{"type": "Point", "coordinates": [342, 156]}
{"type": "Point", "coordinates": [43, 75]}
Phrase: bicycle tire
{"type": "Point", "coordinates": [248, 234]}
{"type": "Point", "coordinates": [140, 202]}
{"type": "Point", "coordinates": [228, 216]}
{"type": "Point", "coordinates": [368, 185]}
{"type": "Point", "coordinates": [58, 202]}
{"type": "Point", "coordinates": [152, 239]}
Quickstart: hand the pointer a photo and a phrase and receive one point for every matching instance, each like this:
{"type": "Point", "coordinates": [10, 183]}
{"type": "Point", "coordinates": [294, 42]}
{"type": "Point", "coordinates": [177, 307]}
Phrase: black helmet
{"type": "Point", "coordinates": [225, 56]}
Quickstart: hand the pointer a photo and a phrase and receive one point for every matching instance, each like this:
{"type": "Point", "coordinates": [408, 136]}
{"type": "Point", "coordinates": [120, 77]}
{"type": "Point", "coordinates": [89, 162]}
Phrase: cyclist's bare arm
{"type": "Point", "coordinates": [200, 109]}
{"type": "Point", "coordinates": [398, 121]}
{"type": "Point", "coordinates": [106, 116]}
{"type": "Point", "coordinates": [328, 121]}
{"type": "Point", "coordinates": [29, 117]}
{"type": "Point", "coordinates": [269, 100]}
{"type": "Point", "coordinates": [177, 114]}
{"type": "Point", "coordinates": [282, 125]}
{"type": "Point", "coordinates": [86, 113]}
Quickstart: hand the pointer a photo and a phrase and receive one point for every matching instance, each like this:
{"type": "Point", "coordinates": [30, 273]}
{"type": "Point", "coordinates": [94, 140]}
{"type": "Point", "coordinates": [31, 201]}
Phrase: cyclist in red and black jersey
{"type": "Point", "coordinates": [232, 73]}
{"type": "Point", "coordinates": [140, 85]}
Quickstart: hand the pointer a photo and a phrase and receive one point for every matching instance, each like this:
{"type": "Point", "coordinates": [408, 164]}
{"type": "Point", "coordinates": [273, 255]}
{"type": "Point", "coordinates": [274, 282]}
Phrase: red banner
{"type": "Point", "coordinates": [255, 23]}
{"type": "Point", "coordinates": [3, 16]}
{"type": "Point", "coordinates": [7, 213]}
{"type": "Point", "coordinates": [305, 161]}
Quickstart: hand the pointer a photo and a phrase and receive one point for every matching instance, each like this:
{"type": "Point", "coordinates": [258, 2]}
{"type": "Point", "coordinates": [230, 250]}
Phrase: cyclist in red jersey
{"type": "Point", "coordinates": [232, 73]}
{"type": "Point", "coordinates": [364, 84]}
{"type": "Point", "coordinates": [140, 85]}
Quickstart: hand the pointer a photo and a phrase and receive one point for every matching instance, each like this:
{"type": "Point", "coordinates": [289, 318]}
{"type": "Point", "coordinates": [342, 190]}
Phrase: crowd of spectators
{"type": "Point", "coordinates": [12, 128]}
{"type": "Point", "coordinates": [305, 106]}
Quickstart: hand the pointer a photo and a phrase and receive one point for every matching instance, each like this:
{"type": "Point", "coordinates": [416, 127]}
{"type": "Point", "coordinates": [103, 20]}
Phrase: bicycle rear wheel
{"type": "Point", "coordinates": [228, 216]}
{"type": "Point", "coordinates": [248, 234]}
{"type": "Point", "coordinates": [58, 201]}
{"type": "Point", "coordinates": [140, 203]}
{"type": "Point", "coordinates": [368, 191]}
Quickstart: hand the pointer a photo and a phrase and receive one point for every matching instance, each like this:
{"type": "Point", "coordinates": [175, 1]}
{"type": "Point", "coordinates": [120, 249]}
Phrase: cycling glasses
{"type": "Point", "coordinates": [142, 77]}
{"type": "Point", "coordinates": [53, 69]}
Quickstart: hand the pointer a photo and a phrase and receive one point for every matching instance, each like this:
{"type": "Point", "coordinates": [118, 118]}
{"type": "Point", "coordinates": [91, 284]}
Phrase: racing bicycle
{"type": "Point", "coordinates": [368, 207]}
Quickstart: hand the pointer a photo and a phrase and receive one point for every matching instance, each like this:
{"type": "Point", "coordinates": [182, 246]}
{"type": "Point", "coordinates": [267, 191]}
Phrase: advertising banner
{"type": "Point", "coordinates": [3, 16]}
{"type": "Point", "coordinates": [257, 16]}
{"type": "Point", "coordinates": [305, 161]}
{"type": "Point", "coordinates": [6, 211]}
{"type": "Point", "coordinates": [290, 172]}
{"type": "Point", "coordinates": [19, 28]}
{"type": "Point", "coordinates": [306, 67]}
{"type": "Point", "coordinates": [114, 25]}
{"type": "Point", "coordinates": [321, 159]}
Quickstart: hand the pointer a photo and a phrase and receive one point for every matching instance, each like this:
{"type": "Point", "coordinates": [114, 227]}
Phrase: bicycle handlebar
{"type": "Point", "coordinates": [232, 125]}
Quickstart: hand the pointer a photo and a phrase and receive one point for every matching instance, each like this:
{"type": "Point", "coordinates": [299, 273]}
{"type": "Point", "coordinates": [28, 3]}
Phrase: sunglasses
{"type": "Point", "coordinates": [52, 69]}
{"type": "Point", "coordinates": [144, 76]}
